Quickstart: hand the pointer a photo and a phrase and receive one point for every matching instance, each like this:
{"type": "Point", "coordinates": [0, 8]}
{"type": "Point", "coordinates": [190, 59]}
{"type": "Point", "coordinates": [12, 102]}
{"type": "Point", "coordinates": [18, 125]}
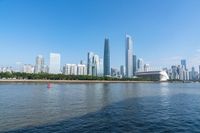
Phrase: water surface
{"type": "Point", "coordinates": [100, 107]}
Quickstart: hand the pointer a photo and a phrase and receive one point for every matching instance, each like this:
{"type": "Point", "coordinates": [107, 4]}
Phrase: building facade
{"type": "Point", "coordinates": [39, 64]}
{"type": "Point", "coordinates": [106, 61]}
{"type": "Point", "coordinates": [129, 56]}
{"type": "Point", "coordinates": [140, 65]}
{"type": "Point", "coordinates": [134, 64]}
{"type": "Point", "coordinates": [94, 65]}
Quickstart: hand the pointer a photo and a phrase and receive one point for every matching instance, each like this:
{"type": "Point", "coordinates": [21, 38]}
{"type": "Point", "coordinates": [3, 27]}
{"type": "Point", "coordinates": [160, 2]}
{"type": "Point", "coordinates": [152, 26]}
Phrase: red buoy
{"type": "Point", "coordinates": [49, 85]}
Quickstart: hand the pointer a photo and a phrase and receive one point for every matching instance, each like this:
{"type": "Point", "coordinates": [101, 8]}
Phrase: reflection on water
{"type": "Point", "coordinates": [33, 105]}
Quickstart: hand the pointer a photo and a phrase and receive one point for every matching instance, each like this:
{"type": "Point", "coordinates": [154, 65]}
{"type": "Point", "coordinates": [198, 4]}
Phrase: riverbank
{"type": "Point", "coordinates": [68, 81]}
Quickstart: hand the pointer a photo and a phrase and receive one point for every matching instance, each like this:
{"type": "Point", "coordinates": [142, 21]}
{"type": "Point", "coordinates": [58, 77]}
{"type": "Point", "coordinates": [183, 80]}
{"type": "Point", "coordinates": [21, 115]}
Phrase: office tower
{"type": "Point", "coordinates": [129, 56]}
{"type": "Point", "coordinates": [193, 75]}
{"type": "Point", "coordinates": [183, 64]}
{"type": "Point", "coordinates": [134, 64]}
{"type": "Point", "coordinates": [94, 65]}
{"type": "Point", "coordinates": [181, 74]}
{"type": "Point", "coordinates": [122, 70]}
{"type": "Point", "coordinates": [100, 70]}
{"type": "Point", "coordinates": [39, 64]}
{"type": "Point", "coordinates": [89, 62]}
{"type": "Point", "coordinates": [146, 67]}
{"type": "Point", "coordinates": [54, 65]}
{"type": "Point", "coordinates": [174, 72]}
{"type": "Point", "coordinates": [140, 65]}
{"type": "Point", "coordinates": [186, 75]}
{"type": "Point", "coordinates": [106, 61]}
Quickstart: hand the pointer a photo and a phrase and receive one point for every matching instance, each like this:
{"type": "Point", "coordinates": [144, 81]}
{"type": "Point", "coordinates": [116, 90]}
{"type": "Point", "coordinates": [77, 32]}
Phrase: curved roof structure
{"type": "Point", "coordinates": [153, 75]}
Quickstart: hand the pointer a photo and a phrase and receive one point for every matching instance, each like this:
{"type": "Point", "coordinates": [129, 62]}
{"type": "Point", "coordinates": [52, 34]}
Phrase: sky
{"type": "Point", "coordinates": [163, 31]}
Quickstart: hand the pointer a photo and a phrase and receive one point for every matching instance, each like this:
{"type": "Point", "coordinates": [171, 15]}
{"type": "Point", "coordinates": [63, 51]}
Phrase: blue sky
{"type": "Point", "coordinates": [163, 31]}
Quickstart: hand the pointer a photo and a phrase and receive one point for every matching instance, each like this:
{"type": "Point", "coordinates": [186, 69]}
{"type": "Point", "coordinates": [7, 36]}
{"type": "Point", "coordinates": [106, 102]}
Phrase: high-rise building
{"type": "Point", "coordinates": [101, 69]}
{"type": "Point", "coordinates": [134, 64]}
{"type": "Point", "coordinates": [122, 70]}
{"type": "Point", "coordinates": [94, 65]}
{"type": "Point", "coordinates": [73, 69]}
{"type": "Point", "coordinates": [174, 72]}
{"type": "Point", "coordinates": [39, 65]}
{"type": "Point", "coordinates": [81, 69]}
{"type": "Point", "coordinates": [54, 65]}
{"type": "Point", "coordinates": [183, 64]}
{"type": "Point", "coordinates": [90, 62]}
{"type": "Point", "coordinates": [129, 56]}
{"type": "Point", "coordinates": [140, 65]}
{"type": "Point", "coordinates": [193, 75]}
{"type": "Point", "coordinates": [106, 61]}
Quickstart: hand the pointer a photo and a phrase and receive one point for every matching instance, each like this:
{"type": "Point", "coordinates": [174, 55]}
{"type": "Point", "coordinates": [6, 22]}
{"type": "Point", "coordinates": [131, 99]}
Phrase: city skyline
{"type": "Point", "coordinates": [37, 27]}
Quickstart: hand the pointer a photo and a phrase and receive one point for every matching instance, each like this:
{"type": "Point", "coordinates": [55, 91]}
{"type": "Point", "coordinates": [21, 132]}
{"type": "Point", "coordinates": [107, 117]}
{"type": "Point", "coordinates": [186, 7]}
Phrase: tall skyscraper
{"type": "Point", "coordinates": [134, 64]}
{"type": "Point", "coordinates": [100, 70]}
{"type": "Point", "coordinates": [106, 61]}
{"type": "Point", "coordinates": [122, 70]}
{"type": "Point", "coordinates": [140, 65]}
{"type": "Point", "coordinates": [89, 62]}
{"type": "Point", "coordinates": [129, 56]}
{"type": "Point", "coordinates": [183, 64]}
{"type": "Point", "coordinates": [39, 65]}
{"type": "Point", "coordinates": [54, 65]}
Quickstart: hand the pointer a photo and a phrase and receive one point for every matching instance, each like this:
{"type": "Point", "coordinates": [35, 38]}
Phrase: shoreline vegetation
{"type": "Point", "coordinates": [61, 78]}
{"type": "Point", "coordinates": [17, 77]}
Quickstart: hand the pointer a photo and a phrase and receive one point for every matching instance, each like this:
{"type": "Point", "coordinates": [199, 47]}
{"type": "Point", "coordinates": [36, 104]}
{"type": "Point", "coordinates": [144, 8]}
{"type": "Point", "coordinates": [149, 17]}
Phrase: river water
{"type": "Point", "coordinates": [100, 107]}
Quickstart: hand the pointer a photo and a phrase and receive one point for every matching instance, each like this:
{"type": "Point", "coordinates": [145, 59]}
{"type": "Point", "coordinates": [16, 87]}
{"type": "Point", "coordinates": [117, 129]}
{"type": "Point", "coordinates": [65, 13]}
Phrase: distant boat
{"type": "Point", "coordinates": [49, 85]}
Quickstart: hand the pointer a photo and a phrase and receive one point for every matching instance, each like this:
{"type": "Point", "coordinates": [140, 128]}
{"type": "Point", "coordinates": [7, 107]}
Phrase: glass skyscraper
{"type": "Point", "coordinates": [90, 62]}
{"type": "Point", "coordinates": [106, 61]}
{"type": "Point", "coordinates": [134, 64]}
{"type": "Point", "coordinates": [129, 57]}
{"type": "Point", "coordinates": [140, 65]}
{"type": "Point", "coordinates": [183, 64]}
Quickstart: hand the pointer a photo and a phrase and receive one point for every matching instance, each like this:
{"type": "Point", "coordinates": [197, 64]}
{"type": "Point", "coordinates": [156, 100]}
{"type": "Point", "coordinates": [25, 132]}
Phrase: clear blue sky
{"type": "Point", "coordinates": [164, 31]}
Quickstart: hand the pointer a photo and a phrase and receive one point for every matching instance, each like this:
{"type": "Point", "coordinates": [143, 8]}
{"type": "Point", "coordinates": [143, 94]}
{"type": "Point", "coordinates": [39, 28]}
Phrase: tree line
{"type": "Point", "coordinates": [47, 76]}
